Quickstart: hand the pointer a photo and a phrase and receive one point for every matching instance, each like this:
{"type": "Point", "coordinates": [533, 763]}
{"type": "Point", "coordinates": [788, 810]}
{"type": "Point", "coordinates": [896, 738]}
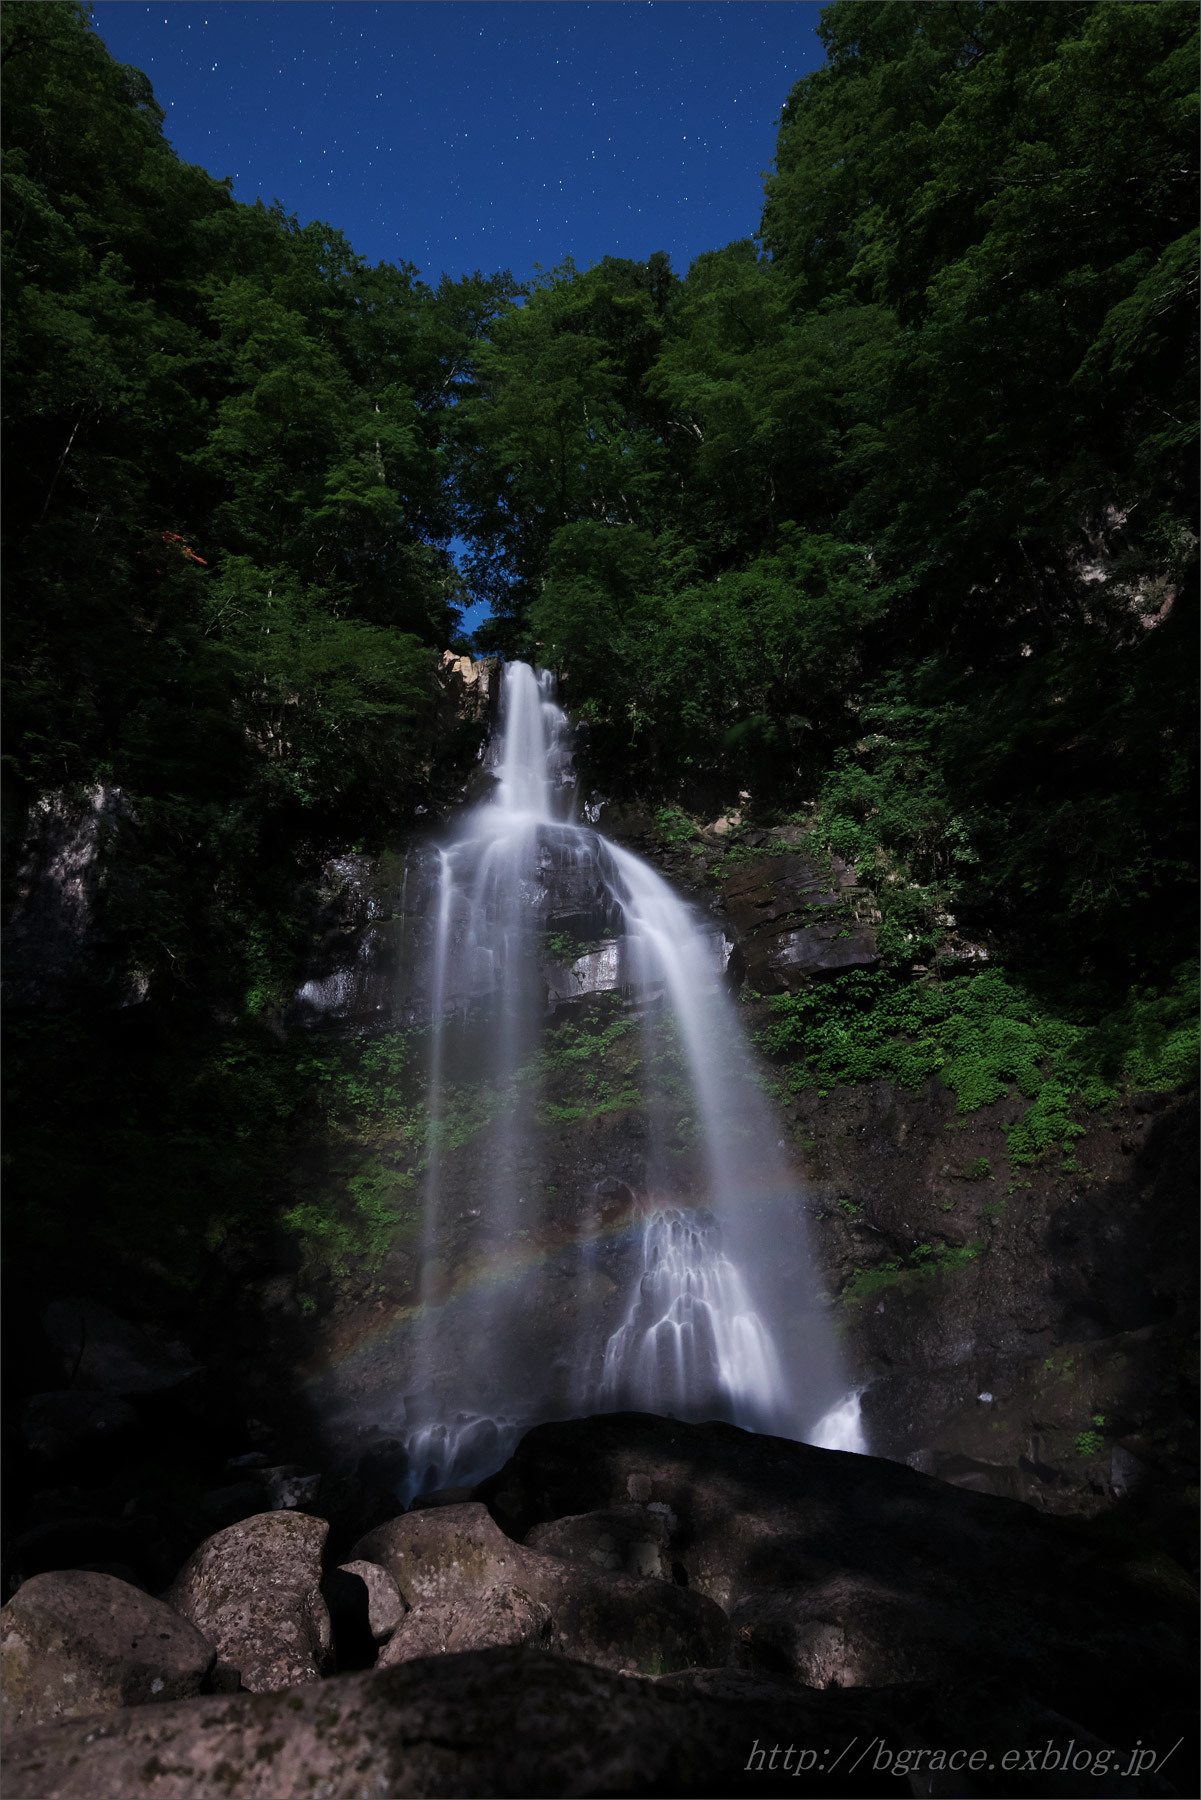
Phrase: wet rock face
{"type": "Point", "coordinates": [450, 1557]}
{"type": "Point", "coordinates": [254, 1591]}
{"type": "Point", "coordinates": [373, 959]}
{"type": "Point", "coordinates": [990, 1323]}
{"type": "Point", "coordinates": [77, 1643]}
{"type": "Point", "coordinates": [793, 924]}
{"type": "Point", "coordinates": [53, 938]}
{"type": "Point", "coordinates": [1044, 1351]}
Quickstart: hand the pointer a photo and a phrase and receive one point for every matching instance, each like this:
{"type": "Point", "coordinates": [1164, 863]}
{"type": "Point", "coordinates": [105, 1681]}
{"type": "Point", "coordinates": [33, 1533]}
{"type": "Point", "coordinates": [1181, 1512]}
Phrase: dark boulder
{"type": "Point", "coordinates": [79, 1642]}
{"type": "Point", "coordinates": [499, 1722]}
{"type": "Point", "coordinates": [633, 1539]}
{"type": "Point", "coordinates": [55, 1425]}
{"type": "Point", "coordinates": [851, 1631]}
{"type": "Point", "coordinates": [517, 1722]}
{"type": "Point", "coordinates": [101, 1351]}
{"type": "Point", "coordinates": [841, 1567]}
{"type": "Point", "coordinates": [456, 1554]}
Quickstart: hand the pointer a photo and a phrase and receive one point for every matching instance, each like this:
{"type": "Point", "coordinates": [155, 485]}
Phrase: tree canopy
{"type": "Point", "coordinates": [227, 504]}
{"type": "Point", "coordinates": [896, 510]}
{"type": "Point", "coordinates": [887, 512]}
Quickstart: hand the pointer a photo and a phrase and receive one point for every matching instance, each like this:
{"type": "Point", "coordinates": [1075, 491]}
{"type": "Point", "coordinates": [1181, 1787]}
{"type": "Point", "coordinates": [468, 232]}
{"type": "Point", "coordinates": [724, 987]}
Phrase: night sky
{"type": "Point", "coordinates": [466, 134]}
{"type": "Point", "coordinates": [482, 134]}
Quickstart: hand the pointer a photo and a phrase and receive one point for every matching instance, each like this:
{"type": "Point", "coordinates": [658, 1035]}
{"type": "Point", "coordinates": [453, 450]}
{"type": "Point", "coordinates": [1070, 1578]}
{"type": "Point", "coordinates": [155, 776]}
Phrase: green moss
{"type": "Point", "coordinates": [585, 1070]}
{"type": "Point", "coordinates": [355, 1226]}
{"type": "Point", "coordinates": [733, 857]}
{"type": "Point", "coordinates": [563, 946]}
{"type": "Point", "coordinates": [924, 1260]}
{"type": "Point", "coordinates": [675, 826]}
{"type": "Point", "coordinates": [985, 1035]}
{"type": "Point", "coordinates": [567, 1045]}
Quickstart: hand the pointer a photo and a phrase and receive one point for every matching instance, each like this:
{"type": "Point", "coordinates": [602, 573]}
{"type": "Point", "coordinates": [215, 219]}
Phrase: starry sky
{"type": "Point", "coordinates": [482, 134]}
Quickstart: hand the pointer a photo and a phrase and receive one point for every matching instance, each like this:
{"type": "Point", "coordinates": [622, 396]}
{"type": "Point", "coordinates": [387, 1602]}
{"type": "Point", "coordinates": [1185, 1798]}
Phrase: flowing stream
{"type": "Point", "coordinates": [721, 1317]}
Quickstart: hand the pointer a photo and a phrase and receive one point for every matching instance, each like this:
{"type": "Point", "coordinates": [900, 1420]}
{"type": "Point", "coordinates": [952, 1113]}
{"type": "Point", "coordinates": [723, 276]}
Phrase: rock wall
{"type": "Point", "coordinates": [53, 938]}
{"type": "Point", "coordinates": [1023, 1332]}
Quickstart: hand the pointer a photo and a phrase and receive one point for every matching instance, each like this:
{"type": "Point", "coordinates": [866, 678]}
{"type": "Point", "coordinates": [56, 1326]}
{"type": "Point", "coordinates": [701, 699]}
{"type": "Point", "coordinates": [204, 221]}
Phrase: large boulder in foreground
{"type": "Point", "coordinates": [850, 1568]}
{"type": "Point", "coordinates": [498, 1617]}
{"type": "Point", "coordinates": [851, 1631]}
{"type": "Point", "coordinates": [254, 1591]}
{"type": "Point", "coordinates": [453, 1554]}
{"type": "Point", "coordinates": [630, 1539]}
{"type": "Point", "coordinates": [522, 1723]}
{"type": "Point", "coordinates": [76, 1643]}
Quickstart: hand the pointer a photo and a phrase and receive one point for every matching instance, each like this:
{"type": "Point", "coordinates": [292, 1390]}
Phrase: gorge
{"type": "Point", "coordinates": [592, 1197]}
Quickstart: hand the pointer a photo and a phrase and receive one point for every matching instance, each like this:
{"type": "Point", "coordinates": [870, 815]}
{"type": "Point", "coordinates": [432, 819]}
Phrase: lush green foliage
{"type": "Point", "coordinates": [151, 1141]}
{"type": "Point", "coordinates": [370, 1129]}
{"type": "Point", "coordinates": [986, 1036]}
{"type": "Point", "coordinates": [892, 515]}
{"type": "Point", "coordinates": [226, 586]}
{"type": "Point", "coordinates": [897, 515]}
{"type": "Point", "coordinates": [922, 1262]}
{"type": "Point", "coordinates": [226, 504]}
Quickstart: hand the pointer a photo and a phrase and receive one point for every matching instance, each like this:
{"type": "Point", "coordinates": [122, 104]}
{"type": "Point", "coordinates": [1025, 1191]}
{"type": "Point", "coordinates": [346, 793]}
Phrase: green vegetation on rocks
{"type": "Point", "coordinates": [888, 515]}
{"type": "Point", "coordinates": [986, 1036]}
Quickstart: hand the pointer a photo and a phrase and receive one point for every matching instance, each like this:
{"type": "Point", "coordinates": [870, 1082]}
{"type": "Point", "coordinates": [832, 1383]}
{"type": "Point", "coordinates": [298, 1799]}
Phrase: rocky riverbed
{"type": "Point", "coordinates": [629, 1606]}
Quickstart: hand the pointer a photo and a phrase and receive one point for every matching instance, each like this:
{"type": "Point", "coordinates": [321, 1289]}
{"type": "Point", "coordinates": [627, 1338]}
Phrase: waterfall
{"type": "Point", "coordinates": [721, 1318]}
{"type": "Point", "coordinates": [692, 1343]}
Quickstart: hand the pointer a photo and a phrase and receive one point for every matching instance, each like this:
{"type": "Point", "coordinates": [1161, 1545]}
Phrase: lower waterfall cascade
{"type": "Point", "coordinates": [709, 1327]}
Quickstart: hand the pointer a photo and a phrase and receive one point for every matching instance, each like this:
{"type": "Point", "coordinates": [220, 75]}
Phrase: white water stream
{"type": "Point", "coordinates": [722, 1318]}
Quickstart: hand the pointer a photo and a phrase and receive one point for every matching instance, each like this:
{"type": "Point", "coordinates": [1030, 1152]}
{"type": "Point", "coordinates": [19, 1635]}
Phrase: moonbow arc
{"type": "Point", "coordinates": [720, 1315]}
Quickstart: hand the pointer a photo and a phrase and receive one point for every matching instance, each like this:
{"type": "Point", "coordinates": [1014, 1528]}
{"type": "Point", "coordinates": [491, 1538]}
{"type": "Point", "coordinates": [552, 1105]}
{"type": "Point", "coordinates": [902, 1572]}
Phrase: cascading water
{"type": "Point", "coordinates": [692, 1343]}
{"type": "Point", "coordinates": [722, 1319]}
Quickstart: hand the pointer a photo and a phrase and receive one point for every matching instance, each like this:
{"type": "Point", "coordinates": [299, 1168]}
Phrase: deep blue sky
{"type": "Point", "coordinates": [482, 134]}
{"type": "Point", "coordinates": [465, 134]}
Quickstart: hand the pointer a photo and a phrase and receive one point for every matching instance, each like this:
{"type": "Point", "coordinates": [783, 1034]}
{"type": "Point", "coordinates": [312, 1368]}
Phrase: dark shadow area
{"type": "Point", "coordinates": [907, 1577]}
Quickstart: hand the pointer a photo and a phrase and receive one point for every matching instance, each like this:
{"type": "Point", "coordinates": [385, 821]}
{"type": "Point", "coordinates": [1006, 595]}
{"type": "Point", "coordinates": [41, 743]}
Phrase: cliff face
{"type": "Point", "coordinates": [1029, 1336]}
{"type": "Point", "coordinates": [1022, 1331]}
{"type": "Point", "coordinates": [53, 940]}
{"type": "Point", "coordinates": [1025, 1331]}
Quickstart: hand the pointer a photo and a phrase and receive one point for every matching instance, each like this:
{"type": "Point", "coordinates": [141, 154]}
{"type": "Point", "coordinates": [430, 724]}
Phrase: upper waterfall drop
{"type": "Point", "coordinates": [532, 767]}
{"type": "Point", "coordinates": [719, 1317]}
